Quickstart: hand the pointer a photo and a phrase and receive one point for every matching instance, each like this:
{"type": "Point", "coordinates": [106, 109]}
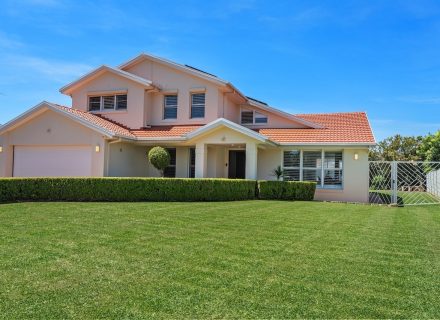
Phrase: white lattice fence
{"type": "Point", "coordinates": [404, 182]}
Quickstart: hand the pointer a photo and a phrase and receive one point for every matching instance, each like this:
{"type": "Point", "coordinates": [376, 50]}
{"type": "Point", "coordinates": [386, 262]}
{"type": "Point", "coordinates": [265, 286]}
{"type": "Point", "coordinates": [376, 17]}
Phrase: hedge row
{"type": "Point", "coordinates": [286, 190]}
{"type": "Point", "coordinates": [149, 189]}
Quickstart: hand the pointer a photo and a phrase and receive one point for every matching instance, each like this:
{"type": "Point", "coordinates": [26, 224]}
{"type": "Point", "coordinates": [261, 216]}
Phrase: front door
{"type": "Point", "coordinates": [237, 164]}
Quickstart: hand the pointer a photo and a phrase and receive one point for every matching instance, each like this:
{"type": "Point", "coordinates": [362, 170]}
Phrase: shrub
{"type": "Point", "coordinates": [125, 189]}
{"type": "Point", "coordinates": [286, 190]}
{"type": "Point", "coordinates": [159, 158]}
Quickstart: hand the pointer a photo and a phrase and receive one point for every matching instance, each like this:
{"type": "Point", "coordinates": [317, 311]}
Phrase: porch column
{"type": "Point", "coordinates": [201, 160]}
{"type": "Point", "coordinates": [251, 160]}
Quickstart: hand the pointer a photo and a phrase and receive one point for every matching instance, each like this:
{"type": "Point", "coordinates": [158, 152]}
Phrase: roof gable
{"type": "Point", "coordinates": [91, 121]}
{"type": "Point", "coordinates": [185, 68]}
{"type": "Point", "coordinates": [100, 71]}
{"type": "Point", "coordinates": [221, 122]}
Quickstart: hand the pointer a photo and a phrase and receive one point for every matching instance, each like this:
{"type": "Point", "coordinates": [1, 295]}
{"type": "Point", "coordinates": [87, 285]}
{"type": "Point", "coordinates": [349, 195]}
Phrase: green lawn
{"type": "Point", "coordinates": [251, 259]}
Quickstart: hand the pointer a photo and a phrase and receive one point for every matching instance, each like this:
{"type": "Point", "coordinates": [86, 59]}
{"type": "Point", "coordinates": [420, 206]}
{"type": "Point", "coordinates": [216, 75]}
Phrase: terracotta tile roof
{"type": "Point", "coordinates": [98, 121]}
{"type": "Point", "coordinates": [350, 127]}
{"type": "Point", "coordinates": [164, 131]}
{"type": "Point", "coordinates": [337, 128]}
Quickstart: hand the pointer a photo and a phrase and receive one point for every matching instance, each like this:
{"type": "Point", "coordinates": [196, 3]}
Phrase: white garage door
{"type": "Point", "coordinates": [48, 161]}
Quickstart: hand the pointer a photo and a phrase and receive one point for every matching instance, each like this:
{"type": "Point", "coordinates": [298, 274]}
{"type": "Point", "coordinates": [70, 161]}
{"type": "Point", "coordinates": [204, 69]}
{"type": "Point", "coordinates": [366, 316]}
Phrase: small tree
{"type": "Point", "coordinates": [159, 158]}
{"type": "Point", "coordinates": [278, 172]}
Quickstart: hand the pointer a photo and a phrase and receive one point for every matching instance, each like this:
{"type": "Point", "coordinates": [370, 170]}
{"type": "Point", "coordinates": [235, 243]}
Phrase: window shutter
{"type": "Point", "coordinates": [94, 103]}
{"type": "Point", "coordinates": [170, 107]}
{"type": "Point", "coordinates": [121, 102]}
{"type": "Point", "coordinates": [198, 105]}
{"type": "Point", "coordinates": [109, 102]}
{"type": "Point", "coordinates": [247, 117]}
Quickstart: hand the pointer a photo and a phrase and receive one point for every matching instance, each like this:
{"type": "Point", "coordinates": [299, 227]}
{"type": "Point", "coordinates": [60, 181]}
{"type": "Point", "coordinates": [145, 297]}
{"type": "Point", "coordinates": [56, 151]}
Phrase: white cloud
{"type": "Point", "coordinates": [59, 71]}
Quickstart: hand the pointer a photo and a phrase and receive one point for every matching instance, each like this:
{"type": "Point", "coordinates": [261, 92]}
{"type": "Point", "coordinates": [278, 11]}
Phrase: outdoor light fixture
{"type": "Point", "coordinates": [97, 148]}
{"type": "Point", "coordinates": [1, 149]}
{"type": "Point", "coordinates": [356, 156]}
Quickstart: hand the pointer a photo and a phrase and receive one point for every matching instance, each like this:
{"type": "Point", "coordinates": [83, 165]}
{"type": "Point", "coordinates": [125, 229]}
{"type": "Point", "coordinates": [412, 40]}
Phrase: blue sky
{"type": "Point", "coordinates": [380, 56]}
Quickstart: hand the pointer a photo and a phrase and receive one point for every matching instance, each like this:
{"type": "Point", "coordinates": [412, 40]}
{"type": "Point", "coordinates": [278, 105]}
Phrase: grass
{"type": "Point", "coordinates": [250, 259]}
{"type": "Point", "coordinates": [403, 197]}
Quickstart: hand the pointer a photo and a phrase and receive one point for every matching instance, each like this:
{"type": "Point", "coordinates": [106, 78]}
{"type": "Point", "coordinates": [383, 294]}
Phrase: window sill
{"type": "Point", "coordinates": [169, 120]}
{"type": "Point", "coordinates": [108, 111]}
{"type": "Point", "coordinates": [330, 189]}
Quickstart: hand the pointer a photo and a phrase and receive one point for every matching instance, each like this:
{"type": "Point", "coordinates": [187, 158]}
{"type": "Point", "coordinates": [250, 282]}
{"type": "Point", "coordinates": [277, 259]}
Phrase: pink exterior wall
{"type": "Point", "coordinates": [133, 117]}
{"type": "Point", "coordinates": [174, 81]}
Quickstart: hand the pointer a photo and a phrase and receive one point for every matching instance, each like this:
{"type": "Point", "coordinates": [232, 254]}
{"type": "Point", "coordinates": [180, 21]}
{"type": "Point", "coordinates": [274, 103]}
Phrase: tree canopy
{"type": "Point", "coordinates": [403, 148]}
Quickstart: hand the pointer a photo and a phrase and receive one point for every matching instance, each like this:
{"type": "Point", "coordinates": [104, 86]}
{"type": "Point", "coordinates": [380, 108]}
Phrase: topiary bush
{"type": "Point", "coordinates": [159, 158]}
{"type": "Point", "coordinates": [286, 190]}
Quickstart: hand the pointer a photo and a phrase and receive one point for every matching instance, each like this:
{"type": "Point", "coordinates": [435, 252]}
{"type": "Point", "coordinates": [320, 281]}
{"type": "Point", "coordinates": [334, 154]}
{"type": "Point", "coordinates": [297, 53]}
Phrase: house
{"type": "Point", "coordinates": [210, 128]}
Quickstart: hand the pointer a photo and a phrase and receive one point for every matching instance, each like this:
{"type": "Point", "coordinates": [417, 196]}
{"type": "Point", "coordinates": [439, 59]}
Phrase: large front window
{"type": "Point", "coordinates": [108, 102]}
{"type": "Point", "coordinates": [322, 167]}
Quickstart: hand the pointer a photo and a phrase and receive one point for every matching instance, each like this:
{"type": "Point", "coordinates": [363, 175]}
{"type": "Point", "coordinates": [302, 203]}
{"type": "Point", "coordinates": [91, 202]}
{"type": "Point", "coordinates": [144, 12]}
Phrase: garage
{"type": "Point", "coordinates": [52, 161]}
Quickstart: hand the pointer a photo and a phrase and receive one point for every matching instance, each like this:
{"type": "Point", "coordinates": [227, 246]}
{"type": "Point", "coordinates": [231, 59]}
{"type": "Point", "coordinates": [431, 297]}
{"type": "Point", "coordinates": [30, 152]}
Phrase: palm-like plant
{"type": "Point", "coordinates": [278, 172]}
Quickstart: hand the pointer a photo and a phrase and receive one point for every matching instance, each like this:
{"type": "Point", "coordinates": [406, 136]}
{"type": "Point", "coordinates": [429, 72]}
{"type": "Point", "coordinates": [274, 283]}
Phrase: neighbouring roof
{"type": "Point", "coordinates": [338, 128]}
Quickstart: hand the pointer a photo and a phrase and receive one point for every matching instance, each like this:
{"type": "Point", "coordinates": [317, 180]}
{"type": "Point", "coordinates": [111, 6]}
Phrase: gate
{"type": "Point", "coordinates": [404, 183]}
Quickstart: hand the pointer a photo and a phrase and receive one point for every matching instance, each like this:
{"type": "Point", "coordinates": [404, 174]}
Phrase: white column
{"type": "Point", "coordinates": [201, 160]}
{"type": "Point", "coordinates": [251, 160]}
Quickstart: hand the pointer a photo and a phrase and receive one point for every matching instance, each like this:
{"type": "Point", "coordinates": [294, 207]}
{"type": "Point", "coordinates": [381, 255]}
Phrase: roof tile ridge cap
{"type": "Point", "coordinates": [329, 113]}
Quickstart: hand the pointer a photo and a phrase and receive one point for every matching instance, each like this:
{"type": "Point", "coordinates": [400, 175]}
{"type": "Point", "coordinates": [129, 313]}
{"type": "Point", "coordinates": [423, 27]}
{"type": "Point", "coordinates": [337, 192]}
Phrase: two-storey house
{"type": "Point", "coordinates": [210, 128]}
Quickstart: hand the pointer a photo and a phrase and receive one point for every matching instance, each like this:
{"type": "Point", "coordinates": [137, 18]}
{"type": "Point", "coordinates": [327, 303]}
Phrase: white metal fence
{"type": "Point", "coordinates": [404, 182]}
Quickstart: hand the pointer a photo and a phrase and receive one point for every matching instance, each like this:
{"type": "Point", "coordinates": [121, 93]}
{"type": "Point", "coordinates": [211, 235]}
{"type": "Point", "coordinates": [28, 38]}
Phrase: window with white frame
{"type": "Point", "coordinates": [333, 169]}
{"type": "Point", "coordinates": [108, 102]}
{"type": "Point", "coordinates": [197, 105]}
{"type": "Point", "coordinates": [292, 164]}
{"type": "Point", "coordinates": [312, 164]}
{"type": "Point", "coordinates": [253, 117]}
{"type": "Point", "coordinates": [170, 171]}
{"type": "Point", "coordinates": [170, 106]}
{"type": "Point", "coordinates": [323, 167]}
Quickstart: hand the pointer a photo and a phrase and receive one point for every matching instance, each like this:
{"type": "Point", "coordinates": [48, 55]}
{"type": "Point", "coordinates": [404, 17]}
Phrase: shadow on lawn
{"type": "Point", "coordinates": [381, 197]}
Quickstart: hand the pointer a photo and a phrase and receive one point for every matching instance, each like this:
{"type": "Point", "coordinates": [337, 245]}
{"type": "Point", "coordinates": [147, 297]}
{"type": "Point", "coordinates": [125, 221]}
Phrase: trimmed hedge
{"type": "Point", "coordinates": [125, 189]}
{"type": "Point", "coordinates": [286, 190]}
{"type": "Point", "coordinates": [149, 189]}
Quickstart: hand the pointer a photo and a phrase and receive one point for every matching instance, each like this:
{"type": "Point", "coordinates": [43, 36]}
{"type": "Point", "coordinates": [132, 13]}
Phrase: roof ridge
{"type": "Point", "coordinates": [329, 113]}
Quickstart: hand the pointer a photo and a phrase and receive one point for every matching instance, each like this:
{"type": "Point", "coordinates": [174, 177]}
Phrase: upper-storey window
{"type": "Point", "coordinates": [252, 117]}
{"type": "Point", "coordinates": [108, 102]}
{"type": "Point", "coordinates": [170, 106]}
{"type": "Point", "coordinates": [197, 105]}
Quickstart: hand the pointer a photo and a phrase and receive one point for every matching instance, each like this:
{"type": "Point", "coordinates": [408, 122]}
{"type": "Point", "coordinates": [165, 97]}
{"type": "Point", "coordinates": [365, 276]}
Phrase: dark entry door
{"type": "Point", "coordinates": [237, 164]}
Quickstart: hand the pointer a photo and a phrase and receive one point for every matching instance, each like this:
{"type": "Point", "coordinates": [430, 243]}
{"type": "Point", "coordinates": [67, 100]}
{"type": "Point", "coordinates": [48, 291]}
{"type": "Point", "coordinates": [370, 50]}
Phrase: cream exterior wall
{"type": "Point", "coordinates": [355, 172]}
{"type": "Point", "coordinates": [51, 129]}
{"type": "Point", "coordinates": [127, 160]}
{"type": "Point", "coordinates": [133, 117]}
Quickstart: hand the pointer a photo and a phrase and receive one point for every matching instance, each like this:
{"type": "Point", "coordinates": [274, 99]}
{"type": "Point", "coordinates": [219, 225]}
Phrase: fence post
{"type": "Point", "coordinates": [394, 182]}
